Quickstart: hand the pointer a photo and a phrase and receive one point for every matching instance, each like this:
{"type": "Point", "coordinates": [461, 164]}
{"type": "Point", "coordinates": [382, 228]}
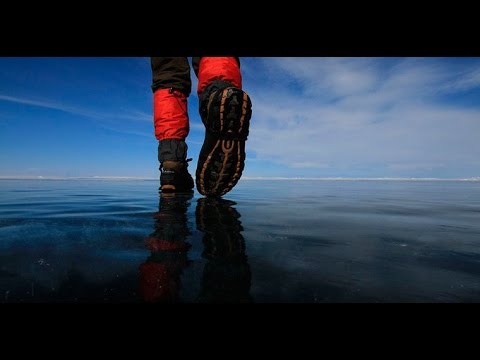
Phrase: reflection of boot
{"type": "Point", "coordinates": [226, 277]}
{"type": "Point", "coordinates": [171, 225]}
{"type": "Point", "coordinates": [160, 274]}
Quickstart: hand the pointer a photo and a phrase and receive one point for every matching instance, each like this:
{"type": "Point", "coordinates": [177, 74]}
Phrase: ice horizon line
{"type": "Point", "coordinates": [275, 178]}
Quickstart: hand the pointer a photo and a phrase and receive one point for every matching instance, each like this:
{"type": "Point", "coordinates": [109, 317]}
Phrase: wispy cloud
{"type": "Point", "coordinates": [385, 115]}
{"type": "Point", "coordinates": [106, 120]}
{"type": "Point", "coordinates": [133, 115]}
{"type": "Point", "coordinates": [145, 134]}
{"type": "Point", "coordinates": [50, 105]}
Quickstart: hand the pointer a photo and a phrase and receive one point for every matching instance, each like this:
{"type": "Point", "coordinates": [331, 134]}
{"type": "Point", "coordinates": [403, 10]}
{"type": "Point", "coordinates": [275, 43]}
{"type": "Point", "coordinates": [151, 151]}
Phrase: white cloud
{"type": "Point", "coordinates": [354, 112]}
{"type": "Point", "coordinates": [330, 76]}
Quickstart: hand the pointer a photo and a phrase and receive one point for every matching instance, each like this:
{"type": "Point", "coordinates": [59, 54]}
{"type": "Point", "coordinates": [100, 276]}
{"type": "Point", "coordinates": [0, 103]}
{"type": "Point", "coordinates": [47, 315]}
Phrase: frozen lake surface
{"type": "Point", "coordinates": [267, 241]}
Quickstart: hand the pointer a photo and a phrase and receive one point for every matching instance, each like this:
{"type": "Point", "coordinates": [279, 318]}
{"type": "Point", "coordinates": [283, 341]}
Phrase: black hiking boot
{"type": "Point", "coordinates": [174, 176]}
{"type": "Point", "coordinates": [226, 112]}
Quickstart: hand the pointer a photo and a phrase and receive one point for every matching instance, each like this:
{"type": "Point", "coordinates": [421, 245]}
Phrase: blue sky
{"type": "Point", "coordinates": [312, 117]}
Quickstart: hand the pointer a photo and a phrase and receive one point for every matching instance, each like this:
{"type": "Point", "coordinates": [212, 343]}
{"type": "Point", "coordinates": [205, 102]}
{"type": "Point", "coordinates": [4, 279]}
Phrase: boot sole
{"type": "Point", "coordinates": [222, 157]}
{"type": "Point", "coordinates": [167, 188]}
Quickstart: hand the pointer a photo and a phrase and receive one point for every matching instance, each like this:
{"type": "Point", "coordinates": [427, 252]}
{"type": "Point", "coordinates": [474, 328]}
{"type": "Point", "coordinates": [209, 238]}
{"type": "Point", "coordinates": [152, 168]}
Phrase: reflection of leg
{"type": "Point", "coordinates": [160, 274]}
{"type": "Point", "coordinates": [226, 277]}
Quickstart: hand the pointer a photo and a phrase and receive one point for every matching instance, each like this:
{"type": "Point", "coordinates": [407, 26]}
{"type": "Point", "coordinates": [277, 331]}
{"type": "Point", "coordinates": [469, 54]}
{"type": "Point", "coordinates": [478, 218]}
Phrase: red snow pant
{"type": "Point", "coordinates": [172, 85]}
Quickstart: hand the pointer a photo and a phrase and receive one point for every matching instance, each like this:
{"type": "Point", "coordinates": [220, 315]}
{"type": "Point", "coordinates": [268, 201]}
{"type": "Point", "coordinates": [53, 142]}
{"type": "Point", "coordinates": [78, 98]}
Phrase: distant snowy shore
{"type": "Point", "coordinates": [127, 178]}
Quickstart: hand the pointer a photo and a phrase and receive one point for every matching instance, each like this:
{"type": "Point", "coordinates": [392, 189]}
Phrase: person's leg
{"type": "Point", "coordinates": [225, 110]}
{"type": "Point", "coordinates": [171, 87]}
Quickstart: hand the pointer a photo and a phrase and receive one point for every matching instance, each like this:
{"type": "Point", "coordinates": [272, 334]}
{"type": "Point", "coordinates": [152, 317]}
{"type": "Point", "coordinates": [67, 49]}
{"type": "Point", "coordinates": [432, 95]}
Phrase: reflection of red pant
{"type": "Point", "coordinates": [160, 281]}
{"type": "Point", "coordinates": [172, 86]}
